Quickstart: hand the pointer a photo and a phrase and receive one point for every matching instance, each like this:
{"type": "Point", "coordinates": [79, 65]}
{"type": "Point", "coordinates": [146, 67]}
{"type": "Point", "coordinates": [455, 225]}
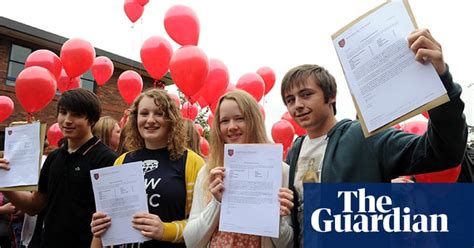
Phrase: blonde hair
{"type": "Point", "coordinates": [192, 137]}
{"type": "Point", "coordinates": [176, 137]}
{"type": "Point", "coordinates": [254, 123]}
{"type": "Point", "coordinates": [103, 129]}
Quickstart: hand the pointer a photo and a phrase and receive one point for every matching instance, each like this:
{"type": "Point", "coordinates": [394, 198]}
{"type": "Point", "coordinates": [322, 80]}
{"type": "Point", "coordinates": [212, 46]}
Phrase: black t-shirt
{"type": "Point", "coordinates": [165, 186]}
{"type": "Point", "coordinates": [65, 179]}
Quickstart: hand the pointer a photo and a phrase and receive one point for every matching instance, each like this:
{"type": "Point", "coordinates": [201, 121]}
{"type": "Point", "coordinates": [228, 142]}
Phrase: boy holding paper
{"type": "Point", "coordinates": [65, 193]}
{"type": "Point", "coordinates": [338, 151]}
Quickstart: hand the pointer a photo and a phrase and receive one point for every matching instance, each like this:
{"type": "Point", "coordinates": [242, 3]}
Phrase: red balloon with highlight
{"type": "Point", "coordinates": [182, 25]}
{"type": "Point", "coordinates": [77, 56]}
{"type": "Point", "coordinates": [102, 69]}
{"type": "Point", "coordinates": [253, 84]}
{"type": "Point", "coordinates": [189, 68]}
{"type": "Point", "coordinates": [130, 85]}
{"type": "Point", "coordinates": [6, 107]}
{"type": "Point", "coordinates": [133, 9]}
{"type": "Point", "coordinates": [54, 135]}
{"type": "Point", "coordinates": [35, 88]}
{"type": "Point", "coordinates": [46, 59]}
{"type": "Point", "coordinates": [268, 76]}
{"type": "Point", "coordinates": [156, 55]}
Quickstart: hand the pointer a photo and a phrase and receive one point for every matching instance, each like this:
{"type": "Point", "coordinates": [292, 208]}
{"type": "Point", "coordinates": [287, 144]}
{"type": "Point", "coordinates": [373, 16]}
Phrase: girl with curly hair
{"type": "Point", "coordinates": [155, 134]}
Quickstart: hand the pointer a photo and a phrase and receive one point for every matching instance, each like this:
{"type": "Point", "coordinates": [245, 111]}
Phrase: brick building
{"type": "Point", "coordinates": [18, 40]}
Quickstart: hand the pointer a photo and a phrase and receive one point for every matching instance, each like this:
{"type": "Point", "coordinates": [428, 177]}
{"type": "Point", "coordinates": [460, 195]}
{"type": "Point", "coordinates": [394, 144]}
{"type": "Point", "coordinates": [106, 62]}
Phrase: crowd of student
{"type": "Point", "coordinates": [185, 191]}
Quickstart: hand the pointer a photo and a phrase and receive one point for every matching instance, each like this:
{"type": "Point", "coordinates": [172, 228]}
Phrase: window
{"type": "Point", "coordinates": [18, 55]}
{"type": "Point", "coordinates": [87, 81]}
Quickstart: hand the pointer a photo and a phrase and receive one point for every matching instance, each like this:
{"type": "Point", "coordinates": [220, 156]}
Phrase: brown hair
{"type": "Point", "coordinates": [192, 137]}
{"type": "Point", "coordinates": [176, 136]}
{"type": "Point", "coordinates": [297, 77]}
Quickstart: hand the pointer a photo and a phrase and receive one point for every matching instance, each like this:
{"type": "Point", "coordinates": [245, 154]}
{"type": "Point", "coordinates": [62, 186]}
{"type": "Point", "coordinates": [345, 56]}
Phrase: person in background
{"type": "Point", "coordinates": [237, 120]}
{"type": "Point", "coordinates": [192, 137]}
{"type": "Point", "coordinates": [107, 129]}
{"type": "Point", "coordinates": [155, 135]}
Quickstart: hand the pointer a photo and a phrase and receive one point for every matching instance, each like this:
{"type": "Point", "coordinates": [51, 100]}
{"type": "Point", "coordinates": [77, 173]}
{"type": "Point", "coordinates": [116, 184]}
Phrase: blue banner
{"type": "Point", "coordinates": [389, 215]}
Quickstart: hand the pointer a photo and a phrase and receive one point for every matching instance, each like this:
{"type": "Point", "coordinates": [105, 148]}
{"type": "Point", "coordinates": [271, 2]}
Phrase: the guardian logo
{"type": "Point", "coordinates": [374, 215]}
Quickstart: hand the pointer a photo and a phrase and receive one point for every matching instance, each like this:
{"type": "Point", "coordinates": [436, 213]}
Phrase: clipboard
{"type": "Point", "coordinates": [430, 105]}
{"type": "Point", "coordinates": [42, 139]}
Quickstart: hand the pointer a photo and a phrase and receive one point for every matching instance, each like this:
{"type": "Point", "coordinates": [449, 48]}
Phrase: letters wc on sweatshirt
{"type": "Point", "coordinates": [394, 215]}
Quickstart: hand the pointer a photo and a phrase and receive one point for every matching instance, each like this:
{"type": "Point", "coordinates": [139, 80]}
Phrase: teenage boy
{"type": "Point", "coordinates": [65, 194]}
{"type": "Point", "coordinates": [338, 151]}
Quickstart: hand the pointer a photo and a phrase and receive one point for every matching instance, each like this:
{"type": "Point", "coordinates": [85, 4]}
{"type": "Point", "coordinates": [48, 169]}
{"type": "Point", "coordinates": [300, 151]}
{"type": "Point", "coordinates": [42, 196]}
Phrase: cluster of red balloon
{"type": "Point", "coordinates": [189, 111]}
{"type": "Point", "coordinates": [45, 72]}
{"type": "Point", "coordinates": [134, 9]}
{"type": "Point", "coordinates": [446, 176]}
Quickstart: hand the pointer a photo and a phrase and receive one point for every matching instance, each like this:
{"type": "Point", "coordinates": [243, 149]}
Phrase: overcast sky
{"type": "Point", "coordinates": [247, 35]}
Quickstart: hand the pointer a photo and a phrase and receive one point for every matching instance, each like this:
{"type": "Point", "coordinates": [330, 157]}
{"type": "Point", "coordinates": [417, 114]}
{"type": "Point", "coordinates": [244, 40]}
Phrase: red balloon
{"type": "Point", "coordinates": [426, 115]}
{"type": "Point", "coordinates": [216, 82]}
{"type": "Point", "coordinates": [199, 128]}
{"type": "Point", "coordinates": [189, 68]}
{"type": "Point", "coordinates": [54, 135]}
{"type": "Point", "coordinates": [415, 127]}
{"type": "Point", "coordinates": [446, 176]}
{"type": "Point", "coordinates": [175, 98]}
{"type": "Point", "coordinates": [182, 25]}
{"type": "Point", "coordinates": [210, 119]}
{"type": "Point", "coordinates": [268, 76]}
{"type": "Point", "coordinates": [133, 9]}
{"type": "Point", "coordinates": [260, 107]}
{"type": "Point", "coordinates": [143, 2]}
{"type": "Point", "coordinates": [77, 56]}
{"type": "Point", "coordinates": [130, 85]}
{"type": "Point", "coordinates": [194, 98]}
{"type": "Point", "coordinates": [47, 59]}
{"type": "Point", "coordinates": [204, 145]}
{"type": "Point", "coordinates": [6, 107]}
{"type": "Point", "coordinates": [283, 133]}
{"type": "Point", "coordinates": [35, 88]}
{"type": "Point", "coordinates": [397, 126]}
{"type": "Point", "coordinates": [65, 83]}
{"type": "Point", "coordinates": [202, 102]}
{"type": "Point", "coordinates": [253, 84]}
{"type": "Point", "coordinates": [102, 69]}
{"type": "Point", "coordinates": [189, 111]}
{"type": "Point", "coordinates": [298, 130]}
{"type": "Point", "coordinates": [156, 54]}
